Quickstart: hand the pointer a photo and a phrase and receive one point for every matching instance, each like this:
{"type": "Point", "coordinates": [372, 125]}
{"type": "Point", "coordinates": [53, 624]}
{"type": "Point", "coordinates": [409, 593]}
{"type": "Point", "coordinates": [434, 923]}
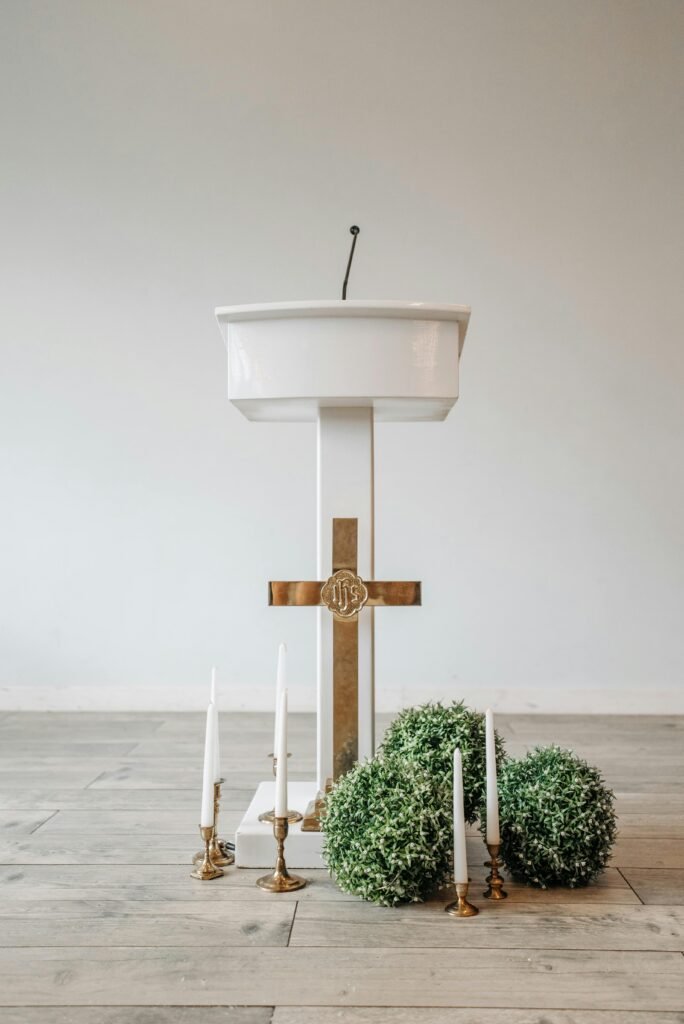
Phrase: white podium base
{"type": "Point", "coordinates": [254, 842]}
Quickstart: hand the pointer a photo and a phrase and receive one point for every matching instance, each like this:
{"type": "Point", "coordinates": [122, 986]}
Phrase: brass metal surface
{"type": "Point", "coordinates": [301, 594]}
{"type": "Point", "coordinates": [206, 870]}
{"type": "Point", "coordinates": [281, 880]}
{"type": "Point", "coordinates": [381, 593]}
{"type": "Point", "coordinates": [345, 695]}
{"type": "Point", "coordinates": [461, 907]}
{"type": "Point", "coordinates": [220, 855]}
{"type": "Point", "coordinates": [345, 553]}
{"type": "Point", "coordinates": [345, 544]}
{"type": "Point", "coordinates": [269, 816]}
{"type": "Point", "coordinates": [495, 889]}
{"type": "Point", "coordinates": [345, 594]}
{"type": "Point", "coordinates": [313, 814]}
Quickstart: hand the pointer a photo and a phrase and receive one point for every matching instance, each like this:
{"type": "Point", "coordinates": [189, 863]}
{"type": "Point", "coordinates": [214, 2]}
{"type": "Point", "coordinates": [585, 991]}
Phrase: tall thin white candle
{"type": "Point", "coordinates": [281, 763]}
{"type": "Point", "coordinates": [281, 683]}
{"type": "Point", "coordinates": [320, 757]}
{"type": "Point", "coordinates": [217, 744]}
{"type": "Point", "coordinates": [460, 857]}
{"type": "Point", "coordinates": [493, 834]}
{"type": "Point", "coordinates": [207, 814]}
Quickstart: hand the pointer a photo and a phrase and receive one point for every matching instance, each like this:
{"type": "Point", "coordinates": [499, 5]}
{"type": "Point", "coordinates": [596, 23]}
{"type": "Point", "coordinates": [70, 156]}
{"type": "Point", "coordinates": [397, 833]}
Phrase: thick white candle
{"type": "Point", "coordinates": [493, 834]}
{"type": "Point", "coordinates": [460, 857]}
{"type": "Point", "coordinates": [281, 763]}
{"type": "Point", "coordinates": [207, 815]}
{"type": "Point", "coordinates": [281, 683]}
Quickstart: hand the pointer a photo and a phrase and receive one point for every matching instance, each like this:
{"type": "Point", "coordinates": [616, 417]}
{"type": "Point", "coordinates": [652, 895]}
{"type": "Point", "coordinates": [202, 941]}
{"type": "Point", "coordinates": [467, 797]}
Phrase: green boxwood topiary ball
{"type": "Point", "coordinates": [388, 831]}
{"type": "Point", "coordinates": [557, 818]}
{"type": "Point", "coordinates": [428, 734]}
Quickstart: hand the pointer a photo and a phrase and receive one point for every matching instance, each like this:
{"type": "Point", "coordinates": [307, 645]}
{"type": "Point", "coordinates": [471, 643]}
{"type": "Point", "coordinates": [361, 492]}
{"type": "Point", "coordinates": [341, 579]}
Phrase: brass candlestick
{"type": "Point", "coordinates": [280, 880]}
{"type": "Point", "coordinates": [461, 907]}
{"type": "Point", "coordinates": [269, 816]}
{"type": "Point", "coordinates": [221, 856]}
{"type": "Point", "coordinates": [207, 869]}
{"type": "Point", "coordinates": [495, 889]}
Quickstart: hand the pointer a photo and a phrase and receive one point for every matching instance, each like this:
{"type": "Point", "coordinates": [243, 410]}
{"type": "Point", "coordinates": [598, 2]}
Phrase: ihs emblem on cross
{"type": "Point", "coordinates": [344, 594]}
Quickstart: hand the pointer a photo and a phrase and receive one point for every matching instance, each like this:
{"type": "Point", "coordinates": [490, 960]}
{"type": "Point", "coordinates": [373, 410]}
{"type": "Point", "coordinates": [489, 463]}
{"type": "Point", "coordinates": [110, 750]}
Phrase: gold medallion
{"type": "Point", "coordinates": [344, 593]}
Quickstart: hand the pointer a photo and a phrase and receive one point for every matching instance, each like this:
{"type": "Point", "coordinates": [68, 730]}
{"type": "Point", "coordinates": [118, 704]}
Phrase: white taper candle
{"type": "Point", "coordinates": [281, 763]}
{"type": "Point", "coordinates": [460, 857]}
{"type": "Point", "coordinates": [217, 744]}
{"type": "Point", "coordinates": [207, 814]}
{"type": "Point", "coordinates": [493, 834]}
{"type": "Point", "coordinates": [281, 683]}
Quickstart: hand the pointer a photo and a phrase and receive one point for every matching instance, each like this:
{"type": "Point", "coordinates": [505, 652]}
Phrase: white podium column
{"type": "Point", "coordinates": [345, 491]}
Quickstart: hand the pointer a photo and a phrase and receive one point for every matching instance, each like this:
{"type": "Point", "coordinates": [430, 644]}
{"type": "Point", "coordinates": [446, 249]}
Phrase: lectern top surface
{"type": "Point", "coordinates": [343, 308]}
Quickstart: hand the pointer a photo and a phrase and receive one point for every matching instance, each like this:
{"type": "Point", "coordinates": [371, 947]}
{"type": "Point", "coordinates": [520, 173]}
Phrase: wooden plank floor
{"type": "Point", "coordinates": [100, 922]}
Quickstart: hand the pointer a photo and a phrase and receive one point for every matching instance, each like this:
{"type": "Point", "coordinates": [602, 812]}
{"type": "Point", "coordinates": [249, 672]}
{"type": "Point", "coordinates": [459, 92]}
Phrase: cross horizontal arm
{"type": "Point", "coordinates": [308, 594]}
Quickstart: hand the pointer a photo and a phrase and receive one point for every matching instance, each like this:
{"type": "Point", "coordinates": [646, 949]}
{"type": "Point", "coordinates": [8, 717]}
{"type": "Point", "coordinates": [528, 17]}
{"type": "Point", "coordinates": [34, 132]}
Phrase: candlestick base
{"type": "Point", "coordinates": [221, 855]}
{"type": "Point", "coordinates": [227, 850]}
{"type": "Point", "coordinates": [461, 907]}
{"type": "Point", "coordinates": [206, 870]}
{"type": "Point", "coordinates": [281, 880]}
{"type": "Point", "coordinates": [495, 889]}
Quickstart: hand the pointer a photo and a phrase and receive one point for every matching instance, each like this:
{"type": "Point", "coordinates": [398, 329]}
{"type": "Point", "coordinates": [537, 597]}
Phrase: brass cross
{"type": "Point", "coordinates": [345, 594]}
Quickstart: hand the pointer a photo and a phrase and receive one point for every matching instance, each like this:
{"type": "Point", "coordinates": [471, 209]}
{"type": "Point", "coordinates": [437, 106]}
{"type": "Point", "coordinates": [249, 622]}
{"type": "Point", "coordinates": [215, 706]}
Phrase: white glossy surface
{"type": "Point", "coordinates": [254, 842]}
{"type": "Point", "coordinates": [287, 360]}
{"type": "Point", "coordinates": [345, 463]}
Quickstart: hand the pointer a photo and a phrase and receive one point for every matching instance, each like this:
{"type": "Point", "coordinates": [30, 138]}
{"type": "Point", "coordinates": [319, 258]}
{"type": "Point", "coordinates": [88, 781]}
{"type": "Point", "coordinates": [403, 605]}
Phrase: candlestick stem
{"type": "Point", "coordinates": [281, 880]}
{"type": "Point", "coordinates": [207, 869]}
{"type": "Point", "coordinates": [461, 907]}
{"type": "Point", "coordinates": [495, 889]}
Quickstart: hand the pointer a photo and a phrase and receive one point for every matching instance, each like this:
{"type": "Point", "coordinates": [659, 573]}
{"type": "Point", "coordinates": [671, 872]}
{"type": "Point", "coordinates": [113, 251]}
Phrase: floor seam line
{"type": "Point", "coordinates": [642, 902]}
{"type": "Point", "coordinates": [289, 934]}
{"type": "Point", "coordinates": [40, 825]}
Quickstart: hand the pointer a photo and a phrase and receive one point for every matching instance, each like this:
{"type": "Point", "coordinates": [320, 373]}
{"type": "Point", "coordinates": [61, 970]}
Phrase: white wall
{"type": "Point", "coordinates": [166, 156]}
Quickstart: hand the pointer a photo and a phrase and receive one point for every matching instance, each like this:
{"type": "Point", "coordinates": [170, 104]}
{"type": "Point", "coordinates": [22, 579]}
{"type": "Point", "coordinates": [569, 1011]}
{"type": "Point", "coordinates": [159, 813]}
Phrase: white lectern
{"type": "Point", "coordinates": [345, 364]}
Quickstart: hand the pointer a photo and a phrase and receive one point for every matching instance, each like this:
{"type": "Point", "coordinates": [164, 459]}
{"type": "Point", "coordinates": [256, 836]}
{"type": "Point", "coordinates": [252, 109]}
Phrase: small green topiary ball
{"type": "Point", "coordinates": [428, 734]}
{"type": "Point", "coordinates": [557, 818]}
{"type": "Point", "coordinates": [388, 833]}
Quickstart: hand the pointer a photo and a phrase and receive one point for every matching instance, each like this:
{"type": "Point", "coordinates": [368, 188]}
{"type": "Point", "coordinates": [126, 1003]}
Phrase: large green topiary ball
{"type": "Point", "coordinates": [428, 734]}
{"type": "Point", "coordinates": [388, 831]}
{"type": "Point", "coordinates": [557, 818]}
